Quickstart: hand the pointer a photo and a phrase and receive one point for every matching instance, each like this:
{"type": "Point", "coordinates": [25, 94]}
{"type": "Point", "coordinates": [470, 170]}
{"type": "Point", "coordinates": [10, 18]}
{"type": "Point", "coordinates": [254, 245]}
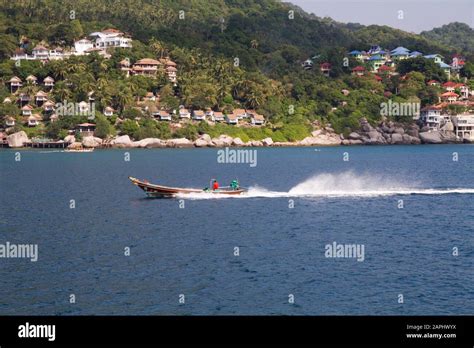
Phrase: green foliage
{"type": "Point", "coordinates": [146, 128]}
{"type": "Point", "coordinates": [188, 131]}
{"type": "Point", "coordinates": [103, 127]}
{"type": "Point", "coordinates": [129, 127]}
{"type": "Point", "coordinates": [293, 132]}
{"type": "Point", "coordinates": [458, 35]}
{"type": "Point", "coordinates": [131, 113]}
{"type": "Point", "coordinates": [345, 125]}
{"type": "Point", "coordinates": [267, 77]}
{"type": "Point", "coordinates": [427, 67]}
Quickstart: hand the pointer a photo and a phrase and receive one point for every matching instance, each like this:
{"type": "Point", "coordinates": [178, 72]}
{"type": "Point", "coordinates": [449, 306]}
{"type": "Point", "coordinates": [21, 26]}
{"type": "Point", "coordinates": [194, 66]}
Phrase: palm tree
{"type": "Point", "coordinates": [123, 97]}
{"type": "Point", "coordinates": [103, 66]}
{"type": "Point", "coordinates": [158, 47]}
{"type": "Point", "coordinates": [59, 69]}
{"type": "Point", "coordinates": [29, 89]}
{"type": "Point", "coordinates": [61, 91]}
{"type": "Point", "coordinates": [102, 83]}
{"type": "Point", "coordinates": [104, 97]}
{"type": "Point", "coordinates": [75, 67]}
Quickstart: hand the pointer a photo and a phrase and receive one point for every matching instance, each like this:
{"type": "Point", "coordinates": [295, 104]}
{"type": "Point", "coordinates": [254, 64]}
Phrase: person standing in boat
{"type": "Point", "coordinates": [234, 185]}
{"type": "Point", "coordinates": [215, 185]}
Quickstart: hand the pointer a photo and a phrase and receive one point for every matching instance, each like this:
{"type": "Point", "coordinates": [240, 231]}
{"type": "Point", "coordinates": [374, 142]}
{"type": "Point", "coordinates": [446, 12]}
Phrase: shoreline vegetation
{"type": "Point", "coordinates": [113, 78]}
{"type": "Point", "coordinates": [386, 133]}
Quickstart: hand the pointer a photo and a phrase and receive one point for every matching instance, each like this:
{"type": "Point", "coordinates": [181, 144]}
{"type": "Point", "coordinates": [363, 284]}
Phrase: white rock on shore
{"type": "Point", "coordinates": [397, 138]}
{"type": "Point", "coordinates": [352, 142]}
{"type": "Point", "coordinates": [91, 141]}
{"type": "Point", "coordinates": [431, 137]}
{"type": "Point", "coordinates": [70, 139]}
{"type": "Point", "coordinates": [149, 143]}
{"type": "Point", "coordinates": [222, 141]}
{"type": "Point", "coordinates": [321, 140]}
{"type": "Point", "coordinates": [122, 141]}
{"type": "Point", "coordinates": [267, 142]}
{"type": "Point", "coordinates": [179, 143]}
{"type": "Point", "coordinates": [17, 139]}
{"type": "Point", "coordinates": [203, 141]}
{"type": "Point", "coordinates": [238, 142]}
{"type": "Point", "coordinates": [206, 138]}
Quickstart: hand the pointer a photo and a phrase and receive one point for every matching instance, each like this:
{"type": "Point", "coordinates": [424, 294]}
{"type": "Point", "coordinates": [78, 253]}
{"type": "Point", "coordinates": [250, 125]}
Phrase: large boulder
{"type": "Point", "coordinates": [316, 132]}
{"type": "Point", "coordinates": [431, 137]}
{"type": "Point", "coordinates": [399, 130]}
{"type": "Point", "coordinates": [75, 145]}
{"type": "Point", "coordinates": [321, 140]}
{"type": "Point", "coordinates": [91, 141]}
{"type": "Point", "coordinates": [397, 138]}
{"type": "Point", "coordinates": [201, 143]}
{"type": "Point", "coordinates": [238, 142]}
{"type": "Point", "coordinates": [179, 143]}
{"type": "Point", "coordinates": [17, 139]}
{"type": "Point", "coordinates": [149, 143]}
{"type": "Point", "coordinates": [365, 125]}
{"type": "Point", "coordinates": [256, 143]}
{"type": "Point", "coordinates": [216, 142]}
{"type": "Point", "coordinates": [267, 142]}
{"type": "Point", "coordinates": [354, 136]}
{"type": "Point", "coordinates": [407, 139]}
{"type": "Point", "coordinates": [375, 138]}
{"type": "Point", "coordinates": [309, 141]}
{"type": "Point", "coordinates": [70, 139]}
{"type": "Point", "coordinates": [352, 142]}
{"type": "Point", "coordinates": [413, 131]}
{"type": "Point", "coordinates": [226, 140]}
{"type": "Point", "coordinates": [425, 129]}
{"type": "Point", "coordinates": [122, 141]}
{"type": "Point", "coordinates": [206, 138]}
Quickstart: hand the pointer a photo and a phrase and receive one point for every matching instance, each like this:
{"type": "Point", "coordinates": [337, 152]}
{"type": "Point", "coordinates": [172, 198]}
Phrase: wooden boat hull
{"type": "Point", "coordinates": [159, 191]}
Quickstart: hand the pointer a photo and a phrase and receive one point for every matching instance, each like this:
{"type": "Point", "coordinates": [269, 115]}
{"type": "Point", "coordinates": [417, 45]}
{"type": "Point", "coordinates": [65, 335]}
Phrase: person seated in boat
{"type": "Point", "coordinates": [215, 185]}
{"type": "Point", "coordinates": [234, 185]}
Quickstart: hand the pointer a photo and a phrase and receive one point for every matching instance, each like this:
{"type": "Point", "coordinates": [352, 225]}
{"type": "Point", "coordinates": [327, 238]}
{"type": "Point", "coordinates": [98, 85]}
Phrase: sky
{"type": "Point", "coordinates": [409, 15]}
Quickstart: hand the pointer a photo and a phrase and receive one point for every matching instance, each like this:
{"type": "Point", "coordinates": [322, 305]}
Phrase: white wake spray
{"type": "Point", "coordinates": [345, 184]}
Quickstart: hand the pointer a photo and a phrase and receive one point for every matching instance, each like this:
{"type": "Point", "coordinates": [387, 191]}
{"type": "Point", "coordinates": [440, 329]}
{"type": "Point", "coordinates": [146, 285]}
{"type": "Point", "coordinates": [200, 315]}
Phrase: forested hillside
{"type": "Point", "coordinates": [229, 53]}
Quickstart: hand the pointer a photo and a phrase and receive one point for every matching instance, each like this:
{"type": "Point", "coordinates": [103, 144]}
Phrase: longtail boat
{"type": "Point", "coordinates": [160, 191]}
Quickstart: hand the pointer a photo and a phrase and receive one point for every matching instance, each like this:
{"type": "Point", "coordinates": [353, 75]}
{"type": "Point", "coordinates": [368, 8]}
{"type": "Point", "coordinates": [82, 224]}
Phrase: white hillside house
{"type": "Point", "coordinates": [111, 38]}
{"type": "Point", "coordinates": [83, 45]}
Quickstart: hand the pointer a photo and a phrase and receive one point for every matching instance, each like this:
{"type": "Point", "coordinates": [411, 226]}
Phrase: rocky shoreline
{"type": "Point", "coordinates": [385, 133]}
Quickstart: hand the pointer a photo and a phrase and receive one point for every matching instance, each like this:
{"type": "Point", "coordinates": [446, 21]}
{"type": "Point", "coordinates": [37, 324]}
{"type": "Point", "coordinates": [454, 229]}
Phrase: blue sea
{"type": "Point", "coordinates": [265, 253]}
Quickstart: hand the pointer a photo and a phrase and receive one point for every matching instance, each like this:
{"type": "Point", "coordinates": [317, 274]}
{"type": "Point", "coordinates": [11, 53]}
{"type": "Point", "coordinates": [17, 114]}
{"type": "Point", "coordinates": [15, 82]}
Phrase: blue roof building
{"type": "Point", "coordinates": [400, 49]}
{"type": "Point", "coordinates": [415, 54]}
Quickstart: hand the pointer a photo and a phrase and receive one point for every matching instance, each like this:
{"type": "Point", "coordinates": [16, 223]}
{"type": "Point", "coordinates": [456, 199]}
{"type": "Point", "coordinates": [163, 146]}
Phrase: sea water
{"type": "Point", "coordinates": [104, 248]}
